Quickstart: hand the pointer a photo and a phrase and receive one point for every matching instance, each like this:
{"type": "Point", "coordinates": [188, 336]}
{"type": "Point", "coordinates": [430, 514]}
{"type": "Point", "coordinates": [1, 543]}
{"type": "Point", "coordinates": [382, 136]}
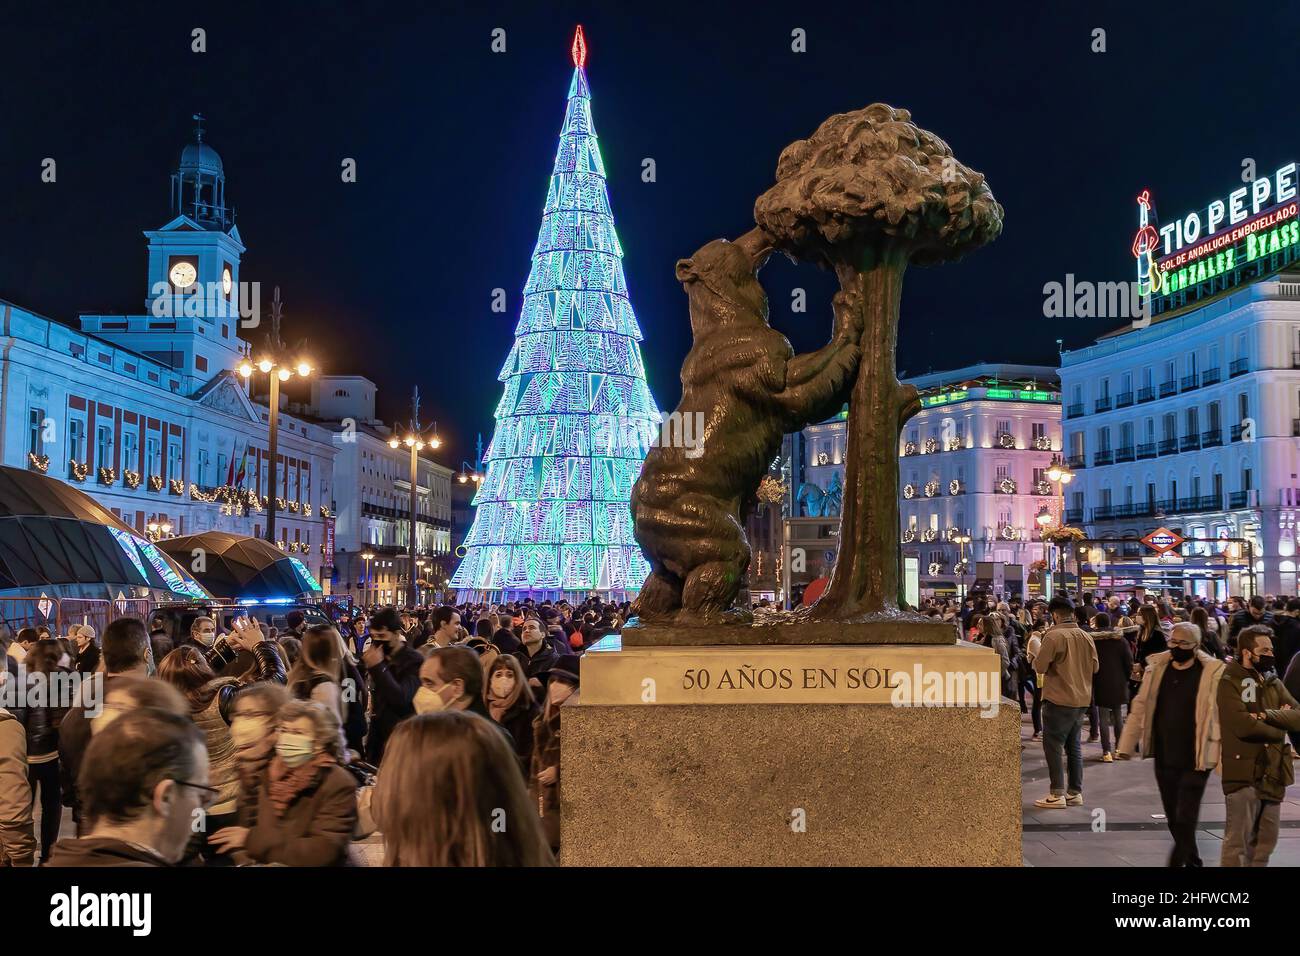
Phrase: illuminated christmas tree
{"type": "Point", "coordinates": [576, 417]}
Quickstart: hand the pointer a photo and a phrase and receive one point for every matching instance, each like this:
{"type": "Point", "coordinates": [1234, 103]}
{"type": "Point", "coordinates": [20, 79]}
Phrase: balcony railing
{"type": "Point", "coordinates": [1211, 376]}
{"type": "Point", "coordinates": [1239, 367]}
{"type": "Point", "coordinates": [1146, 450]}
{"type": "Point", "coordinates": [1295, 359]}
{"type": "Point", "coordinates": [1124, 453]}
{"type": "Point", "coordinates": [1237, 430]}
{"type": "Point", "coordinates": [1073, 515]}
{"type": "Point", "coordinates": [1190, 442]}
{"type": "Point", "coordinates": [1295, 426]}
{"type": "Point", "coordinates": [1168, 388]}
{"type": "Point", "coordinates": [1169, 446]}
{"type": "Point", "coordinates": [1103, 457]}
{"type": "Point", "coordinates": [1124, 399]}
{"type": "Point", "coordinates": [1077, 461]}
{"type": "Point", "coordinates": [1102, 404]}
{"type": "Point", "coordinates": [1190, 382]}
{"type": "Point", "coordinates": [1238, 499]}
{"type": "Point", "coordinates": [1110, 512]}
{"type": "Point", "coordinates": [1074, 411]}
{"type": "Point", "coordinates": [1202, 503]}
{"type": "Point", "coordinates": [1214, 438]}
{"type": "Point", "coordinates": [1147, 394]}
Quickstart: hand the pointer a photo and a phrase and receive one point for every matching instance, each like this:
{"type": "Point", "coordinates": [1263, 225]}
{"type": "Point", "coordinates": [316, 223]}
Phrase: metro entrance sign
{"type": "Point", "coordinates": [1162, 540]}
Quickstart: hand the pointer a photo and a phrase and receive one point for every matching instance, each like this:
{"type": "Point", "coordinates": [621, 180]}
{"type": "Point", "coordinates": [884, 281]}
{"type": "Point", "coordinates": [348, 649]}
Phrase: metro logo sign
{"type": "Point", "coordinates": [1162, 540]}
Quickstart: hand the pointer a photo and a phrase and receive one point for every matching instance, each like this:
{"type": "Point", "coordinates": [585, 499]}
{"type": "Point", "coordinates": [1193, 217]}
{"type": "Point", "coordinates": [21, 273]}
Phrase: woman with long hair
{"type": "Point", "coordinates": [210, 699]}
{"type": "Point", "coordinates": [1209, 638]}
{"type": "Point", "coordinates": [449, 793]}
{"type": "Point", "coordinates": [544, 766]}
{"type": "Point", "coordinates": [511, 703]}
{"type": "Point", "coordinates": [307, 803]}
{"type": "Point", "coordinates": [318, 672]}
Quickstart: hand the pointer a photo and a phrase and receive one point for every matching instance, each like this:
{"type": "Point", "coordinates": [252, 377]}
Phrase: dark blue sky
{"type": "Point", "coordinates": [392, 276]}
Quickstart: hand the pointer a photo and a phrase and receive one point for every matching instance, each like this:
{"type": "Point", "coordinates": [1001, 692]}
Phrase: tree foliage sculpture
{"type": "Point", "coordinates": [868, 193]}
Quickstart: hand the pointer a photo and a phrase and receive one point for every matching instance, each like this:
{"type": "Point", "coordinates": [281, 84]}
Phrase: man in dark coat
{"type": "Point", "coordinates": [1252, 613]}
{"type": "Point", "coordinates": [537, 654]}
{"type": "Point", "coordinates": [394, 672]}
{"type": "Point", "coordinates": [1255, 713]}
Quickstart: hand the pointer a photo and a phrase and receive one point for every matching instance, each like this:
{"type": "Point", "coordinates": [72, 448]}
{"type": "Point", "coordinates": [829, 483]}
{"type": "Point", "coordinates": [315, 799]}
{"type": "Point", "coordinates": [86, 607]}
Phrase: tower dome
{"type": "Point", "coordinates": [198, 157]}
{"type": "Point", "coordinates": [199, 184]}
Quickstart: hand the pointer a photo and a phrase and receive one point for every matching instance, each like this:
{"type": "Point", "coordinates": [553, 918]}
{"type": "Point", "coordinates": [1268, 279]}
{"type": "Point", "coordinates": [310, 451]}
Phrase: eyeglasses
{"type": "Point", "coordinates": [210, 794]}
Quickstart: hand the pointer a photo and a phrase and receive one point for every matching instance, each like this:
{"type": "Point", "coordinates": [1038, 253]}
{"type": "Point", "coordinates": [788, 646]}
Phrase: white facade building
{"type": "Point", "coordinates": [373, 488]}
{"type": "Point", "coordinates": [146, 414]}
{"type": "Point", "coordinates": [973, 461]}
{"type": "Point", "coordinates": [1191, 424]}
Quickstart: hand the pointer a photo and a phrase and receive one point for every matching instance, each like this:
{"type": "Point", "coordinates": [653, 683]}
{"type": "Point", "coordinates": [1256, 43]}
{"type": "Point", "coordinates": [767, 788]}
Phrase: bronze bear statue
{"type": "Point", "coordinates": [745, 387]}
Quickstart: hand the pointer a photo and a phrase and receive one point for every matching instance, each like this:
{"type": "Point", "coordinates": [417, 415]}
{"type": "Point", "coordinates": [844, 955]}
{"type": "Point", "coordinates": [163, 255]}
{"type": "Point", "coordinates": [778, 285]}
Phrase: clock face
{"type": "Point", "coordinates": [227, 281]}
{"type": "Point", "coordinates": [183, 275]}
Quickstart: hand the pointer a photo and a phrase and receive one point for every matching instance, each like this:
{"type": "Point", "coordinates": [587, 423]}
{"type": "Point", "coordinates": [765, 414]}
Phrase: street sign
{"type": "Point", "coordinates": [1162, 540]}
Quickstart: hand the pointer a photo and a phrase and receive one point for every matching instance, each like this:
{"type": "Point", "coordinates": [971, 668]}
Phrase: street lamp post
{"type": "Point", "coordinates": [278, 369]}
{"type": "Point", "coordinates": [365, 590]}
{"type": "Point", "coordinates": [1060, 475]}
{"type": "Point", "coordinates": [962, 540]}
{"type": "Point", "coordinates": [416, 443]}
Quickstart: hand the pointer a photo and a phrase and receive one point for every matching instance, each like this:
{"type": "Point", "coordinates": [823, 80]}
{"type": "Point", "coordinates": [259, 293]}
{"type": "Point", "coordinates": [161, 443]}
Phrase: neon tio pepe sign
{"type": "Point", "coordinates": [1247, 234]}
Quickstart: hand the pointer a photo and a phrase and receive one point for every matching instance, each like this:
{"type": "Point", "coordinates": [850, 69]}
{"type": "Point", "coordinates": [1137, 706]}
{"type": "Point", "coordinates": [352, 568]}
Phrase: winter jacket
{"type": "Point", "coordinates": [518, 722]}
{"type": "Point", "coordinates": [1066, 661]}
{"type": "Point", "coordinates": [538, 663]}
{"type": "Point", "coordinates": [17, 838]}
{"type": "Point", "coordinates": [393, 683]}
{"type": "Point", "coordinates": [315, 829]}
{"type": "Point", "coordinates": [102, 851]}
{"type": "Point", "coordinates": [1286, 640]}
{"type": "Point", "coordinates": [1114, 664]}
{"type": "Point", "coordinates": [1243, 619]}
{"type": "Point", "coordinates": [1140, 727]}
{"type": "Point", "coordinates": [1256, 752]}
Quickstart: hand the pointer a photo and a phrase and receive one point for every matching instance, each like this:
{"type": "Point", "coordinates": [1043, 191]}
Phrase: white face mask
{"type": "Point", "coordinates": [503, 682]}
{"type": "Point", "coordinates": [428, 701]}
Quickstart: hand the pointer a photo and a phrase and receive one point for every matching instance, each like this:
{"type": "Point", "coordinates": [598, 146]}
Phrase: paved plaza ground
{"type": "Point", "coordinates": [1133, 834]}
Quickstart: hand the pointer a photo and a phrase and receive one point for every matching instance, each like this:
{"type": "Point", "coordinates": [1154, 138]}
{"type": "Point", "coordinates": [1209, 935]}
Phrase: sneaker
{"type": "Point", "coordinates": [1037, 736]}
{"type": "Point", "coordinates": [1074, 799]}
{"type": "Point", "coordinates": [1093, 738]}
{"type": "Point", "coordinates": [1108, 757]}
{"type": "Point", "coordinates": [1053, 801]}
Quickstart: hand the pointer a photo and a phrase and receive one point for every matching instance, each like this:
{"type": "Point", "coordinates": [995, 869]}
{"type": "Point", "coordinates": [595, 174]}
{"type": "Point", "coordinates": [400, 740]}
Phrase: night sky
{"type": "Point", "coordinates": [392, 276]}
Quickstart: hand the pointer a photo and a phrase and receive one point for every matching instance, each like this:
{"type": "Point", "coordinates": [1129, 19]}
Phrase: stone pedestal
{"type": "Point", "coordinates": [682, 756]}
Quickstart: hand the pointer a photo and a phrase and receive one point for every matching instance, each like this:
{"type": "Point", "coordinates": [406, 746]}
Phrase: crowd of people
{"type": "Point", "coordinates": [434, 731]}
{"type": "Point", "coordinates": [1196, 685]}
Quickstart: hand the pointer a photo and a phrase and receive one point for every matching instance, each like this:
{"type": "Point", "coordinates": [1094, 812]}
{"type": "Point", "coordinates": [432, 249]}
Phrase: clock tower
{"type": "Point", "coordinates": [192, 314]}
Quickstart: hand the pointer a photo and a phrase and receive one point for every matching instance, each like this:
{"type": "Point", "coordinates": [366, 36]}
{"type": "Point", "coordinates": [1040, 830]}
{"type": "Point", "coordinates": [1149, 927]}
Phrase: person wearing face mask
{"type": "Point", "coordinates": [1256, 711]}
{"type": "Point", "coordinates": [211, 700]}
{"type": "Point", "coordinates": [544, 766]}
{"type": "Point", "coordinates": [393, 675]}
{"type": "Point", "coordinates": [537, 655]}
{"type": "Point", "coordinates": [511, 704]}
{"type": "Point", "coordinates": [252, 731]}
{"type": "Point", "coordinates": [144, 780]}
{"type": "Point", "coordinates": [451, 678]}
{"type": "Point", "coordinates": [307, 804]}
{"type": "Point", "coordinates": [1175, 719]}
